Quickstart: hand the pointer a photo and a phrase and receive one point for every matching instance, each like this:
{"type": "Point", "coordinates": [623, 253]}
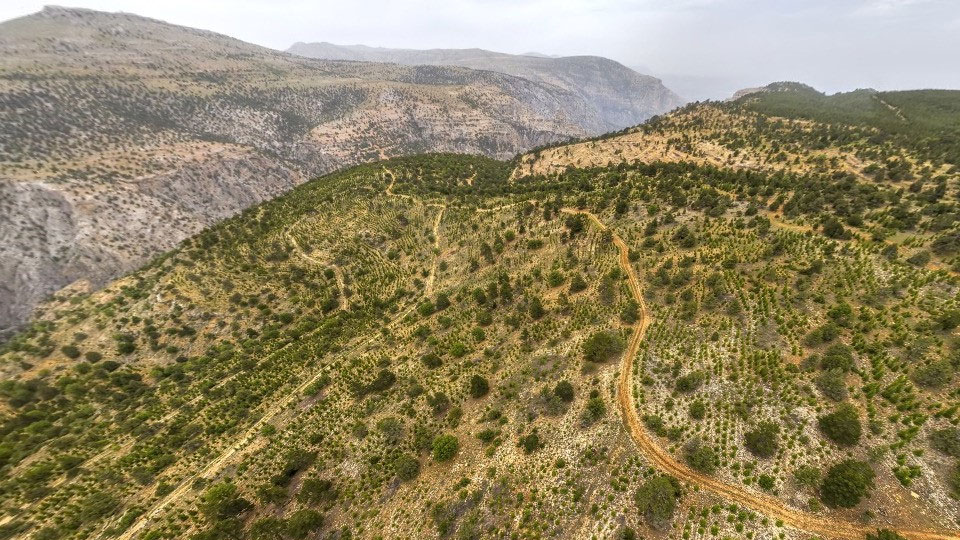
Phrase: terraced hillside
{"type": "Point", "coordinates": [121, 136]}
{"type": "Point", "coordinates": [744, 346]}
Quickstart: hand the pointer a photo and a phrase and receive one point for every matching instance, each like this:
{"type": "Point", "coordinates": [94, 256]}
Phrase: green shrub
{"type": "Point", "coordinates": [426, 308]}
{"type": "Point", "coordinates": [657, 500]}
{"type": "Point", "coordinates": [766, 482]}
{"type": "Point", "coordinates": [842, 426]}
{"type": "Point", "coordinates": [223, 501]}
{"type": "Point", "coordinates": [564, 391]}
{"type": "Point", "coordinates": [806, 475]}
{"type": "Point", "coordinates": [691, 381]}
{"type": "Point", "coordinates": [832, 385]}
{"type": "Point", "coordinates": [595, 410]}
{"type": "Point", "coordinates": [303, 522]}
{"type": "Point", "coordinates": [445, 447]}
{"type": "Point", "coordinates": [536, 308]}
{"type": "Point", "coordinates": [317, 490]}
{"type": "Point", "coordinates": [458, 350]}
{"type": "Point", "coordinates": [837, 357]}
{"type": "Point", "coordinates": [602, 346]}
{"type": "Point", "coordinates": [431, 360]}
{"type": "Point", "coordinates": [846, 484]}
{"type": "Point", "coordinates": [698, 410]}
{"type": "Point", "coordinates": [947, 441]}
{"type": "Point", "coordinates": [630, 312]}
{"type": "Point", "coordinates": [953, 480]}
{"type": "Point", "coordinates": [530, 443]}
{"type": "Point", "coordinates": [832, 228]}
{"type": "Point", "coordinates": [934, 374]}
{"type": "Point", "coordinates": [479, 386]}
{"type": "Point", "coordinates": [406, 466]}
{"type": "Point", "coordinates": [268, 528]}
{"type": "Point", "coordinates": [884, 534]}
{"type": "Point", "coordinates": [762, 441]}
{"type": "Point", "coordinates": [577, 284]}
{"type": "Point", "coordinates": [699, 457]}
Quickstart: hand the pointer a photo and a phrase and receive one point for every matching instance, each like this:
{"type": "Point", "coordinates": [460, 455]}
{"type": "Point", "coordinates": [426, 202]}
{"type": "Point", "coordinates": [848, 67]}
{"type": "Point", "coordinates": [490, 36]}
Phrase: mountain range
{"type": "Point", "coordinates": [620, 96]}
{"type": "Point", "coordinates": [736, 320]}
{"type": "Point", "coordinates": [122, 135]}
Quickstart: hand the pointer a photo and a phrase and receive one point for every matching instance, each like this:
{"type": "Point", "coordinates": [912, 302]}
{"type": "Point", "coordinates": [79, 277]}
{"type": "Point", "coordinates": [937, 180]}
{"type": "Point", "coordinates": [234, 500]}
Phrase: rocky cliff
{"type": "Point", "coordinates": [121, 135]}
{"type": "Point", "coordinates": [619, 96]}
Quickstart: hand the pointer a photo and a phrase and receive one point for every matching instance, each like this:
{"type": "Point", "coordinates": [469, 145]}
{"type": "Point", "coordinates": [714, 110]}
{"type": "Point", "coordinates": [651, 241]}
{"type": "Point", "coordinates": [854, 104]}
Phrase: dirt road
{"type": "Point", "coordinates": [661, 459]}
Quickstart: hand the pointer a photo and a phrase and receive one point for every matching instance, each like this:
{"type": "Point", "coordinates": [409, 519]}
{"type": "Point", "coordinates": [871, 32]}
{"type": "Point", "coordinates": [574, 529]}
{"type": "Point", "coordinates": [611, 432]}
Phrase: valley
{"type": "Point", "coordinates": [653, 348]}
{"type": "Point", "coordinates": [122, 135]}
{"type": "Point", "coordinates": [455, 294]}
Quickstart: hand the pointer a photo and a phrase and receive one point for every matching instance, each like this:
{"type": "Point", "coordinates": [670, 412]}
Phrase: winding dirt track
{"type": "Point", "coordinates": [662, 460]}
{"type": "Point", "coordinates": [244, 443]}
{"type": "Point", "coordinates": [337, 273]}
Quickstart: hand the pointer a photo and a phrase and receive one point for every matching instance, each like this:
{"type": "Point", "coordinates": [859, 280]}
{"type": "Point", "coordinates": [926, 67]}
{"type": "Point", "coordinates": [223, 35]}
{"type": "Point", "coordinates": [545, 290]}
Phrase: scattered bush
{"type": "Point", "coordinates": [445, 447]}
{"type": "Point", "coordinates": [479, 387]}
{"type": "Point", "coordinates": [947, 441]}
{"type": "Point", "coordinates": [691, 381]}
{"type": "Point", "coordinates": [407, 467]}
{"type": "Point", "coordinates": [699, 457]}
{"type": "Point", "coordinates": [842, 426]}
{"type": "Point", "coordinates": [846, 484]}
{"type": "Point", "coordinates": [657, 500]}
{"type": "Point", "coordinates": [564, 391]}
{"type": "Point", "coordinates": [602, 346]}
{"type": "Point", "coordinates": [762, 441]}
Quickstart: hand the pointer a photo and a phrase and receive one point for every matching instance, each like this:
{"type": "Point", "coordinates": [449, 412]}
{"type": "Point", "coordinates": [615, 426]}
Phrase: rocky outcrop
{"type": "Point", "coordinates": [52, 234]}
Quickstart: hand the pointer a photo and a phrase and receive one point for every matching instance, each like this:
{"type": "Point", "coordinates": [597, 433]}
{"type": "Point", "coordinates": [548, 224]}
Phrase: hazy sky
{"type": "Point", "coordinates": [831, 44]}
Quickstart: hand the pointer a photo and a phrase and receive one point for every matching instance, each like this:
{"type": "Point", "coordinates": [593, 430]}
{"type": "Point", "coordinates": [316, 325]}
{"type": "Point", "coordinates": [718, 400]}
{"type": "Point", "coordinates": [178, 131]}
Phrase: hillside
{"type": "Point", "coordinates": [618, 95]}
{"type": "Point", "coordinates": [927, 121]}
{"type": "Point", "coordinates": [738, 328]}
{"type": "Point", "coordinates": [121, 135]}
{"type": "Point", "coordinates": [788, 127]}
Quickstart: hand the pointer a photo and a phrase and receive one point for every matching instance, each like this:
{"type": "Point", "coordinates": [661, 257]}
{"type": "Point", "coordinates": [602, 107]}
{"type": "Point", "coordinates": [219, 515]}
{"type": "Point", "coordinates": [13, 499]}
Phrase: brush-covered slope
{"type": "Point", "coordinates": [121, 135]}
{"type": "Point", "coordinates": [927, 121]}
{"type": "Point", "coordinates": [431, 347]}
{"type": "Point", "coordinates": [790, 127]}
{"type": "Point", "coordinates": [618, 95]}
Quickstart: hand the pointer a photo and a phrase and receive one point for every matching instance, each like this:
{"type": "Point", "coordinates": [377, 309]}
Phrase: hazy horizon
{"type": "Point", "coordinates": [716, 46]}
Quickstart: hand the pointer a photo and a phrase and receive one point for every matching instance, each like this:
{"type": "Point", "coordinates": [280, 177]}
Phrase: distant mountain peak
{"type": "Point", "coordinates": [540, 55]}
{"type": "Point", "coordinates": [790, 86]}
{"type": "Point", "coordinates": [778, 86]}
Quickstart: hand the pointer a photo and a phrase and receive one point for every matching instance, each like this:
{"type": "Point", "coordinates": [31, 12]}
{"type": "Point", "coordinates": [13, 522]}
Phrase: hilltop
{"type": "Point", "coordinates": [718, 324]}
{"type": "Point", "coordinates": [122, 135]}
{"type": "Point", "coordinates": [618, 95]}
{"type": "Point", "coordinates": [788, 127]}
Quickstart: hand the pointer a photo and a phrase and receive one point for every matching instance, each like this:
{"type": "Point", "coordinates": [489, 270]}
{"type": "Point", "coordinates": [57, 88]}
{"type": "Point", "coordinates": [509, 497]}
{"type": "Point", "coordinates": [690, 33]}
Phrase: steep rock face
{"type": "Point", "coordinates": [52, 234]}
{"type": "Point", "coordinates": [616, 94]}
{"type": "Point", "coordinates": [122, 135]}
